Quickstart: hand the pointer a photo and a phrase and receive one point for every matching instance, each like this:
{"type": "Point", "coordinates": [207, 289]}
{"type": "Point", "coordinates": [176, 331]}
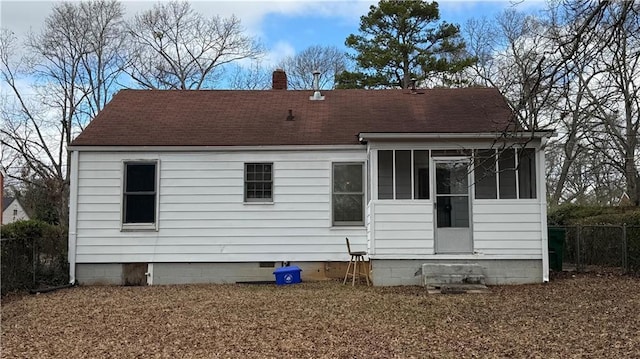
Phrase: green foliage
{"type": "Point", "coordinates": [24, 230]}
{"type": "Point", "coordinates": [358, 80]}
{"type": "Point", "coordinates": [631, 218]}
{"type": "Point", "coordinates": [571, 214]}
{"type": "Point", "coordinates": [33, 253]}
{"type": "Point", "coordinates": [45, 200]}
{"type": "Point", "coordinates": [401, 40]}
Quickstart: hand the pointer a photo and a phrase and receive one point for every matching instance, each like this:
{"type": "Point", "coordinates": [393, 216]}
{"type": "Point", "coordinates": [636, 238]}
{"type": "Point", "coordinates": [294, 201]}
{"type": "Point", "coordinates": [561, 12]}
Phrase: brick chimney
{"type": "Point", "coordinates": [279, 80]}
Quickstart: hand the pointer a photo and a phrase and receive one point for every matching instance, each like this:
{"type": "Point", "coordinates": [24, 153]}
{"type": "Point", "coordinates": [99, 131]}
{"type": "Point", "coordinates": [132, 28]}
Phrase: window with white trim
{"type": "Point", "coordinates": [140, 192]}
{"type": "Point", "coordinates": [403, 174]}
{"type": "Point", "coordinates": [505, 174]}
{"type": "Point", "coordinates": [258, 182]}
{"type": "Point", "coordinates": [348, 194]}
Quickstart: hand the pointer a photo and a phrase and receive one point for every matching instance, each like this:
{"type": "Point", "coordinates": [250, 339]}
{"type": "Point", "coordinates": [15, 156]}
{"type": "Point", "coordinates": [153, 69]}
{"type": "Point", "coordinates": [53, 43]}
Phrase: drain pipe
{"type": "Point", "coordinates": [51, 289]}
{"type": "Point", "coordinates": [73, 216]}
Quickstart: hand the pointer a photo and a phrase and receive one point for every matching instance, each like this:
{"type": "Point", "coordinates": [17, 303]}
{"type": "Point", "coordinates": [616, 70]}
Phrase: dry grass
{"type": "Point", "coordinates": [587, 316]}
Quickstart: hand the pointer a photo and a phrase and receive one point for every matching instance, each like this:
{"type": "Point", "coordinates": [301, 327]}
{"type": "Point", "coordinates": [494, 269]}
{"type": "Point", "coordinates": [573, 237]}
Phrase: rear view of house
{"type": "Point", "coordinates": [223, 186]}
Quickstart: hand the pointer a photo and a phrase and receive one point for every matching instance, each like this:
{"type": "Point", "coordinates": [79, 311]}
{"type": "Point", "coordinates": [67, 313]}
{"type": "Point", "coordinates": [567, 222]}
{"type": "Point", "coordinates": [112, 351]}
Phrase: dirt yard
{"type": "Point", "coordinates": [586, 316]}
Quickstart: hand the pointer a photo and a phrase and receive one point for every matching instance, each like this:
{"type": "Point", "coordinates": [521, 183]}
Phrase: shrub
{"type": "Point", "coordinates": [570, 214]}
{"type": "Point", "coordinates": [33, 253]}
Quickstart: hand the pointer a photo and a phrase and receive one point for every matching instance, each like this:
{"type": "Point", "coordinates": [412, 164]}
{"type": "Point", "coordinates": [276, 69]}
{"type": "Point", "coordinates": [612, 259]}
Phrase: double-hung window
{"type": "Point", "coordinates": [348, 194]}
{"type": "Point", "coordinates": [258, 182]}
{"type": "Point", "coordinates": [140, 193]}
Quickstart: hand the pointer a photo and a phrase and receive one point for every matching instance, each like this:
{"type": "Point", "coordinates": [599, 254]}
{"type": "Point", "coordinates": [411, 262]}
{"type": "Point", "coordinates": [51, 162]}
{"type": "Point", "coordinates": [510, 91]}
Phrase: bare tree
{"type": "Point", "coordinates": [574, 69]}
{"type": "Point", "coordinates": [74, 62]}
{"type": "Point", "coordinates": [514, 57]}
{"type": "Point", "coordinates": [329, 60]}
{"type": "Point", "coordinates": [174, 47]}
{"type": "Point", "coordinates": [253, 77]}
{"type": "Point", "coordinates": [624, 79]}
{"type": "Point", "coordinates": [612, 48]}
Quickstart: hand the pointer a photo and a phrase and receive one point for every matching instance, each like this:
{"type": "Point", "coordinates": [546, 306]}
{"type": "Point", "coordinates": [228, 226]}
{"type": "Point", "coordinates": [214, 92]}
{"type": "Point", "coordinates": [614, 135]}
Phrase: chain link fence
{"type": "Point", "coordinates": [597, 247]}
{"type": "Point", "coordinates": [33, 263]}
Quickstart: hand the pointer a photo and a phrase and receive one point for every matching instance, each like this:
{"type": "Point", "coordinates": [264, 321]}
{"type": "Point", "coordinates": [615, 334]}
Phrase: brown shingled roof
{"type": "Point", "coordinates": [249, 118]}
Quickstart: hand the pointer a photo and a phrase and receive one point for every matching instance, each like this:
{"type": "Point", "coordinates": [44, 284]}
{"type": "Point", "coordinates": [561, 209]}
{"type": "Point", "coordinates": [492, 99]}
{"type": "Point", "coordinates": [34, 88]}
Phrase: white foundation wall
{"type": "Point", "coordinates": [202, 216]}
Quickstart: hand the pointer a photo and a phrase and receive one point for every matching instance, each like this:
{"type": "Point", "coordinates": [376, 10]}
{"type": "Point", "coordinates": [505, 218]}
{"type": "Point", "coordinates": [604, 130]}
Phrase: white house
{"type": "Point", "coordinates": [221, 186]}
{"type": "Point", "coordinates": [12, 210]}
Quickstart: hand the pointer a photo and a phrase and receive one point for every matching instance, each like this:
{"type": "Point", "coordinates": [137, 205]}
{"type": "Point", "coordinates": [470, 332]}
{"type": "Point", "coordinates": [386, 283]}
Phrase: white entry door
{"type": "Point", "coordinates": [452, 204]}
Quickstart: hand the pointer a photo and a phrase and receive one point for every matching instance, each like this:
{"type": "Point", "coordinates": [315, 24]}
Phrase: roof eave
{"type": "Point", "coordinates": [161, 148]}
{"type": "Point", "coordinates": [368, 136]}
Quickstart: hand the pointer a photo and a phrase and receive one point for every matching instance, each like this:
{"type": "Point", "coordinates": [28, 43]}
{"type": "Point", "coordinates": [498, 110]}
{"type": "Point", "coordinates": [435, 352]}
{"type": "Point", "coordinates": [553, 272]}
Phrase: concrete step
{"type": "Point", "coordinates": [438, 274]}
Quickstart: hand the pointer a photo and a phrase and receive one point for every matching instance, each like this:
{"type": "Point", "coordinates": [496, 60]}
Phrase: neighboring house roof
{"type": "Point", "coordinates": [6, 202]}
{"type": "Point", "coordinates": [255, 118]}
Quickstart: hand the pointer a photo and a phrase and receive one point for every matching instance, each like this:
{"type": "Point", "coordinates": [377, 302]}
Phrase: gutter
{"type": "Point", "coordinates": [73, 216]}
{"type": "Point", "coordinates": [364, 136]}
{"type": "Point", "coordinates": [118, 148]}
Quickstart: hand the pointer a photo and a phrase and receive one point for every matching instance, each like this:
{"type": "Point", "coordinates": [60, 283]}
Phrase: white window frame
{"type": "Point", "coordinates": [362, 193]}
{"type": "Point", "coordinates": [244, 184]}
{"type": "Point", "coordinates": [140, 226]}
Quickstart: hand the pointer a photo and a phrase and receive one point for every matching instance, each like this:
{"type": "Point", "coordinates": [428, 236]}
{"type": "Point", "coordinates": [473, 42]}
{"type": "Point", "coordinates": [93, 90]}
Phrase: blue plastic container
{"type": "Point", "coordinates": [287, 275]}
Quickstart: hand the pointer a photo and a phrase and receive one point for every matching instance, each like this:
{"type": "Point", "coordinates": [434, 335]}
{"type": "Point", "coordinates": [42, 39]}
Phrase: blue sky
{"type": "Point", "coordinates": [284, 27]}
{"type": "Point", "coordinates": [302, 30]}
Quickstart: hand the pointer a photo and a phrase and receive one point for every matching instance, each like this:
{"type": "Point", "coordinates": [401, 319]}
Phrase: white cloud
{"type": "Point", "coordinates": [278, 52]}
{"type": "Point", "coordinates": [21, 16]}
{"type": "Point", "coordinates": [252, 13]}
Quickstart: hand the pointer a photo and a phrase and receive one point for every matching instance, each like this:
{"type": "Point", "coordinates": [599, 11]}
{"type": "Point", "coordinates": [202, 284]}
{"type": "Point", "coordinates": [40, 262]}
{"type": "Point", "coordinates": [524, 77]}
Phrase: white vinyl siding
{"type": "Point", "coordinates": [402, 227]}
{"type": "Point", "coordinates": [507, 227]}
{"type": "Point", "coordinates": [202, 214]}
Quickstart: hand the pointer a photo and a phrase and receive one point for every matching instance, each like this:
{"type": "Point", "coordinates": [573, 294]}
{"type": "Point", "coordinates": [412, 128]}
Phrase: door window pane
{"type": "Point", "coordinates": [453, 211]}
{"type": "Point", "coordinates": [403, 174]}
{"type": "Point", "coordinates": [452, 178]}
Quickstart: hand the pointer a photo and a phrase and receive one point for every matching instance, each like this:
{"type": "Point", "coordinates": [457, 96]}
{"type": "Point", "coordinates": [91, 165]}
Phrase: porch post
{"type": "Point", "coordinates": [542, 193]}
